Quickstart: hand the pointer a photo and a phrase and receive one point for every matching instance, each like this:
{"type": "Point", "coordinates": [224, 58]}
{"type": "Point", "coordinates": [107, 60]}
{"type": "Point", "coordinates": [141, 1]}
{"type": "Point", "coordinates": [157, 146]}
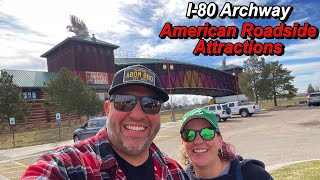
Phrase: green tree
{"type": "Point", "coordinates": [246, 85]}
{"type": "Point", "coordinates": [251, 76]}
{"type": "Point", "coordinates": [69, 94]}
{"type": "Point", "coordinates": [310, 89]}
{"type": "Point", "coordinates": [11, 102]}
{"type": "Point", "coordinates": [88, 103]}
{"type": "Point", "coordinates": [277, 82]}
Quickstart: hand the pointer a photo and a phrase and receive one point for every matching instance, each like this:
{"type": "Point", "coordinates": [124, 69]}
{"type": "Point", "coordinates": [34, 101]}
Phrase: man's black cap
{"type": "Point", "coordinates": [138, 75]}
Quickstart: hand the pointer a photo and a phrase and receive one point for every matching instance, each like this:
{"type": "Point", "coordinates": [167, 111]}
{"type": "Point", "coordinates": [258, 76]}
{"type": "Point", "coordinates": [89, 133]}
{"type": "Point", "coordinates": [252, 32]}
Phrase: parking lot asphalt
{"type": "Point", "coordinates": [277, 138]}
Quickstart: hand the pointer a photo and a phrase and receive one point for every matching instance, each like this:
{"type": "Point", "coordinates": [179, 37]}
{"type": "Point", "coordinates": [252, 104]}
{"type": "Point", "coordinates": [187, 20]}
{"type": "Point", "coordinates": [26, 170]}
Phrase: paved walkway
{"type": "Point", "coordinates": [25, 152]}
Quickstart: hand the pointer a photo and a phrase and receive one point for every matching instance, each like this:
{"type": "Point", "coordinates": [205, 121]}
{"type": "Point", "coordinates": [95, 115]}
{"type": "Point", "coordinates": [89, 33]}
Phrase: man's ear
{"type": "Point", "coordinates": [107, 107]}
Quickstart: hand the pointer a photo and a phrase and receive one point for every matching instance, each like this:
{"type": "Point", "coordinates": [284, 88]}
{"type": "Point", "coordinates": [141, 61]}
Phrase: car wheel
{"type": "Point", "coordinates": [309, 105]}
{"type": "Point", "coordinates": [218, 118]}
{"type": "Point", "coordinates": [224, 119]}
{"type": "Point", "coordinates": [76, 138]}
{"type": "Point", "coordinates": [250, 114]}
{"type": "Point", "coordinates": [244, 113]}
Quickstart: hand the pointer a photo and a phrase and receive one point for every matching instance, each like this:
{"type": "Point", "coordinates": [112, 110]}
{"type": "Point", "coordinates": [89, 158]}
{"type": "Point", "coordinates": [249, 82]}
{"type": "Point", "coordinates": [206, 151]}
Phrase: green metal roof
{"type": "Point", "coordinates": [30, 79]}
{"type": "Point", "coordinates": [81, 38]}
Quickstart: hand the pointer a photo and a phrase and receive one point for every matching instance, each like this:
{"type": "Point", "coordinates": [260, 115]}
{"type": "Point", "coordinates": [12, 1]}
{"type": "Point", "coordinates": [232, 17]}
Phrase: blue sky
{"type": "Point", "coordinates": [30, 28]}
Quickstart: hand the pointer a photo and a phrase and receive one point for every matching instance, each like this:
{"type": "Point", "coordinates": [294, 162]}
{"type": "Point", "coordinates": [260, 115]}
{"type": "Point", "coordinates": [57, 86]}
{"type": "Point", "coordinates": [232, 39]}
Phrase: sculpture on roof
{"type": "Point", "coordinates": [77, 26]}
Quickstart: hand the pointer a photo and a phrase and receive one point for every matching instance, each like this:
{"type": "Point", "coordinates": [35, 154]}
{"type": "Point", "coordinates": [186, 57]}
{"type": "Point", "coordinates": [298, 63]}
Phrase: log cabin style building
{"type": "Point", "coordinates": [87, 57]}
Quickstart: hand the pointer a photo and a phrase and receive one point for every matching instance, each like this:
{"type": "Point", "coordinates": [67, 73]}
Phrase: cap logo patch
{"type": "Point", "coordinates": [139, 74]}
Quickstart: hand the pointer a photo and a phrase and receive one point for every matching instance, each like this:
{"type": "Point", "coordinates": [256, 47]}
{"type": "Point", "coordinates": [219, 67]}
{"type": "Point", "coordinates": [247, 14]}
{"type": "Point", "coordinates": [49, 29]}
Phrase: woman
{"type": "Point", "coordinates": [209, 156]}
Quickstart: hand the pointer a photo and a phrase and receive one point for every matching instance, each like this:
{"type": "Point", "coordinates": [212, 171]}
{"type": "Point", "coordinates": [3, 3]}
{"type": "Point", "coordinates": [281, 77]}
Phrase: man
{"type": "Point", "coordinates": [124, 150]}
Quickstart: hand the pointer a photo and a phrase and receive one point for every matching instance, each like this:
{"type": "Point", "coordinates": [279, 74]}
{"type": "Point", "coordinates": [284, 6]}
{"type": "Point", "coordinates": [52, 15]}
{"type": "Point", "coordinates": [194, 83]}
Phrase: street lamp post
{"type": "Point", "coordinates": [236, 82]}
{"type": "Point", "coordinates": [170, 67]}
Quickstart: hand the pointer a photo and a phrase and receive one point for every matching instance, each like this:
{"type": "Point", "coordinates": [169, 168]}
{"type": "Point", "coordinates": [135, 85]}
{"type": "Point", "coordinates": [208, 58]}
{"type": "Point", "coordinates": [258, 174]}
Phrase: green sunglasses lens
{"type": "Point", "coordinates": [207, 134]}
{"type": "Point", "coordinates": [191, 135]}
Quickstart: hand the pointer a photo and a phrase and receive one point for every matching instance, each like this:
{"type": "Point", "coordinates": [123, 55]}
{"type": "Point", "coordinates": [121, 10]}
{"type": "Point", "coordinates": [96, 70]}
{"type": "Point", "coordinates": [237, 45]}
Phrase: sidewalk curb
{"type": "Point", "coordinates": [281, 165]}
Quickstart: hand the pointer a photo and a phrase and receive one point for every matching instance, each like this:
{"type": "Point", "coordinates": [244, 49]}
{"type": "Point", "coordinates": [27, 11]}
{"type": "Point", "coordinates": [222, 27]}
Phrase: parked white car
{"type": "Point", "coordinates": [219, 111]}
{"type": "Point", "coordinates": [243, 108]}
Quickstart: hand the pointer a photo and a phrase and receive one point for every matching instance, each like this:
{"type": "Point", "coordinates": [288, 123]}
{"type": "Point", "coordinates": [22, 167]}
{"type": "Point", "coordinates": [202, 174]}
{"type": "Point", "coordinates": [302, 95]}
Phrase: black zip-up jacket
{"type": "Point", "coordinates": [249, 169]}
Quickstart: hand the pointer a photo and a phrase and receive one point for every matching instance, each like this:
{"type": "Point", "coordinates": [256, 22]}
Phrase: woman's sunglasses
{"type": "Point", "coordinates": [190, 135]}
{"type": "Point", "coordinates": [126, 103]}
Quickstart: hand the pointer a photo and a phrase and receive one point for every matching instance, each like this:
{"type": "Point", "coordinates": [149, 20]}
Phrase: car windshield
{"type": "Point", "coordinates": [314, 95]}
{"type": "Point", "coordinates": [224, 106]}
{"type": "Point", "coordinates": [97, 123]}
{"type": "Point", "coordinates": [243, 103]}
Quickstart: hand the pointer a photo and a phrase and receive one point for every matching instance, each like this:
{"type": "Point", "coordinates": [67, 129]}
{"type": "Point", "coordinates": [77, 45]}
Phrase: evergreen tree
{"type": "Point", "coordinates": [277, 82]}
{"type": "Point", "coordinates": [310, 89]}
{"type": "Point", "coordinates": [69, 94]}
{"type": "Point", "coordinates": [251, 77]}
{"type": "Point", "coordinates": [266, 80]}
{"type": "Point", "coordinates": [11, 102]}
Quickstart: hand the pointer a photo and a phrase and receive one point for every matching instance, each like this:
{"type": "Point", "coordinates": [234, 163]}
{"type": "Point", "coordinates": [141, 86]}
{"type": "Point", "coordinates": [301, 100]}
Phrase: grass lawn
{"type": "Point", "coordinates": [36, 137]}
{"type": "Point", "coordinates": [166, 115]}
{"type": "Point", "coordinates": [306, 171]}
{"type": "Point", "coordinates": [267, 104]}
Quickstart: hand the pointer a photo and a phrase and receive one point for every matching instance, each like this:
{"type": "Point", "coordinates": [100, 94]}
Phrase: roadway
{"type": "Point", "coordinates": [275, 137]}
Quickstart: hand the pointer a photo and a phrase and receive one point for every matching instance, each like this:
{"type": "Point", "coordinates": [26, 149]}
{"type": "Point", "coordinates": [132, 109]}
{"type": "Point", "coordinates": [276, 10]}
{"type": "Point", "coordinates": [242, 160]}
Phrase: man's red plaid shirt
{"type": "Point", "coordinates": [94, 159]}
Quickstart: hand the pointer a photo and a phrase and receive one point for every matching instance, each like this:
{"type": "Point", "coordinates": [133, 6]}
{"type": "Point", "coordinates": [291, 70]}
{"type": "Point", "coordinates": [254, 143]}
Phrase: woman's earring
{"type": "Point", "coordinates": [220, 153]}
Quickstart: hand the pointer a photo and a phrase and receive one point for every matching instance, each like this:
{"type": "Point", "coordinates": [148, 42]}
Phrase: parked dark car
{"type": "Point", "coordinates": [89, 129]}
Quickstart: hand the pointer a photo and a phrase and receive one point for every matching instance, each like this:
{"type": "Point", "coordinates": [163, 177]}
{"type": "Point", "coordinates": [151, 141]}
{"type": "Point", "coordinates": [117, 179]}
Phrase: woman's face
{"type": "Point", "coordinates": [201, 152]}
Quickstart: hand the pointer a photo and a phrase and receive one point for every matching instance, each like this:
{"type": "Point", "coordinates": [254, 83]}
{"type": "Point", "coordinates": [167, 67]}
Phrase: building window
{"type": "Point", "coordinates": [79, 48]}
{"type": "Point", "coordinates": [29, 95]}
{"type": "Point", "coordinates": [108, 52]}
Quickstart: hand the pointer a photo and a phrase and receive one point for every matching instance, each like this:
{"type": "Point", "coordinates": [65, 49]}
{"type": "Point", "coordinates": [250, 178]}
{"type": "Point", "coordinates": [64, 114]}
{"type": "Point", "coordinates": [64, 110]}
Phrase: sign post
{"type": "Point", "coordinates": [58, 119]}
{"type": "Point", "coordinates": [12, 122]}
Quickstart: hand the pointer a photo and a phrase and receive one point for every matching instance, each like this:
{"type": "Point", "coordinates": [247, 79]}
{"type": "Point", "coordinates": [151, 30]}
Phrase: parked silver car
{"type": "Point", "coordinates": [314, 99]}
{"type": "Point", "coordinates": [89, 129]}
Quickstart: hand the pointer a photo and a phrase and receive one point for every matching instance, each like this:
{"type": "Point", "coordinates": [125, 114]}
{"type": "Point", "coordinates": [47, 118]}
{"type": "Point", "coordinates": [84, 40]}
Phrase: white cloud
{"type": "Point", "coordinates": [146, 32]}
{"type": "Point", "coordinates": [305, 49]}
{"type": "Point", "coordinates": [302, 20]}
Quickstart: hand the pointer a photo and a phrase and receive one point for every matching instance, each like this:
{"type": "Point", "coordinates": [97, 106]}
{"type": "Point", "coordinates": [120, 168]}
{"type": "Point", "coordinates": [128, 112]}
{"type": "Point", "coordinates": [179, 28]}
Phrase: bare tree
{"type": "Point", "coordinates": [195, 100]}
{"type": "Point", "coordinates": [205, 101]}
{"type": "Point", "coordinates": [184, 101]}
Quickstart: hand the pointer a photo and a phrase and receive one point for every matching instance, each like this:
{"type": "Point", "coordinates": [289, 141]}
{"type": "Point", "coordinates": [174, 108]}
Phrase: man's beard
{"type": "Point", "coordinates": [120, 143]}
